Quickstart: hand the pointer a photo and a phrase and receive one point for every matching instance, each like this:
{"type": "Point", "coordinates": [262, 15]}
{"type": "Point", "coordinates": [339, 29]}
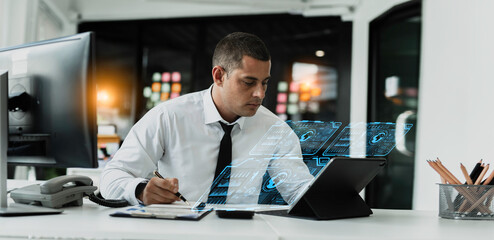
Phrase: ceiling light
{"type": "Point", "coordinates": [320, 53]}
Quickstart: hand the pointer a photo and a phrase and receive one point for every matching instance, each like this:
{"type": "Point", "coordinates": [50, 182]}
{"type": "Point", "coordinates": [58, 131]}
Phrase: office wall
{"type": "Point", "coordinates": [24, 21]}
{"type": "Point", "coordinates": [3, 22]}
{"type": "Point", "coordinates": [13, 22]}
{"type": "Point", "coordinates": [455, 113]}
{"type": "Point", "coordinates": [54, 18]}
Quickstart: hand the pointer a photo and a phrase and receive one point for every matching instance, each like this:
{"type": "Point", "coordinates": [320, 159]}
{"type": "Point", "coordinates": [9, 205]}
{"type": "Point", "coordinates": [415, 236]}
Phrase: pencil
{"type": "Point", "coordinates": [465, 192]}
{"type": "Point", "coordinates": [157, 174]}
{"type": "Point", "coordinates": [441, 172]}
{"type": "Point", "coordinates": [455, 180]}
{"type": "Point", "coordinates": [479, 179]}
{"type": "Point", "coordinates": [476, 171]}
{"type": "Point", "coordinates": [465, 173]}
{"type": "Point", "coordinates": [489, 179]}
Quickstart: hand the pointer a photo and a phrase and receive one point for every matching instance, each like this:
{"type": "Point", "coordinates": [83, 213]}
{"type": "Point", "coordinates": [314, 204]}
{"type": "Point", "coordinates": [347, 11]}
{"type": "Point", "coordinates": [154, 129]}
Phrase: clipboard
{"type": "Point", "coordinates": [163, 211]}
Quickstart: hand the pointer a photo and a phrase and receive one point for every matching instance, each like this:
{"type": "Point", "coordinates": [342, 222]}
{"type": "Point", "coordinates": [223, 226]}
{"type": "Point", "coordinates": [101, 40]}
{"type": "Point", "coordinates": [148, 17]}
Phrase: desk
{"type": "Point", "coordinates": [93, 222]}
{"type": "Point", "coordinates": [383, 224]}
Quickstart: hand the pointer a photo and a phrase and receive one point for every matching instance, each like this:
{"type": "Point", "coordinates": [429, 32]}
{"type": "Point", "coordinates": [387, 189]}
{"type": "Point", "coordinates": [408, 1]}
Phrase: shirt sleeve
{"type": "Point", "coordinates": [288, 171]}
{"type": "Point", "coordinates": [135, 160]}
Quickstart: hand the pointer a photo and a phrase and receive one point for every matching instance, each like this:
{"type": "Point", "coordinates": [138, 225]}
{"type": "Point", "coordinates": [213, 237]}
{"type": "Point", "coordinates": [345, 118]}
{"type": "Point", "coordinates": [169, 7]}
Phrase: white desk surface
{"type": "Point", "coordinates": [93, 222]}
{"type": "Point", "coordinates": [383, 224]}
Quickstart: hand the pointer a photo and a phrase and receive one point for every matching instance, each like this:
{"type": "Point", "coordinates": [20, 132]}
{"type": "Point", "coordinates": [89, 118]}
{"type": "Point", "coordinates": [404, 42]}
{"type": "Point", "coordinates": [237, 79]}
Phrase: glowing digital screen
{"type": "Point", "coordinates": [315, 91]}
{"type": "Point", "coordinates": [176, 77]}
{"type": "Point", "coordinates": [305, 87]}
{"type": "Point", "coordinates": [165, 77]}
{"type": "Point", "coordinates": [156, 77]}
{"type": "Point", "coordinates": [292, 109]}
{"type": "Point", "coordinates": [282, 86]}
{"type": "Point", "coordinates": [176, 87]}
{"type": "Point", "coordinates": [313, 134]}
{"type": "Point", "coordinates": [165, 87]}
{"type": "Point", "coordinates": [264, 176]}
{"type": "Point", "coordinates": [282, 97]}
{"type": "Point", "coordinates": [379, 138]}
{"type": "Point", "coordinates": [155, 97]}
{"type": "Point", "coordinates": [156, 87]}
{"type": "Point", "coordinates": [246, 182]}
{"type": "Point", "coordinates": [281, 108]}
{"type": "Point", "coordinates": [279, 136]}
{"type": "Point", "coordinates": [293, 97]}
{"type": "Point", "coordinates": [294, 87]}
{"type": "Point", "coordinates": [147, 92]}
{"type": "Point", "coordinates": [165, 96]}
{"type": "Point", "coordinates": [304, 97]}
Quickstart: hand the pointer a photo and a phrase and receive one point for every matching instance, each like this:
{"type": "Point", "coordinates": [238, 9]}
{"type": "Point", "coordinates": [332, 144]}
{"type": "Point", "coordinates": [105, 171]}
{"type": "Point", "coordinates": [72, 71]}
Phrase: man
{"type": "Point", "coordinates": [180, 138]}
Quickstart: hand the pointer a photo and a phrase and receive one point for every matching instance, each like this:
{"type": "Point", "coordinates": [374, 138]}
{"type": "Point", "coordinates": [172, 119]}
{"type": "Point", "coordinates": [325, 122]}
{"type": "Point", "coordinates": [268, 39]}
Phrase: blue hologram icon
{"type": "Point", "coordinates": [279, 139]}
{"type": "Point", "coordinates": [245, 182]}
{"type": "Point", "coordinates": [379, 138]}
{"type": "Point", "coordinates": [313, 134]}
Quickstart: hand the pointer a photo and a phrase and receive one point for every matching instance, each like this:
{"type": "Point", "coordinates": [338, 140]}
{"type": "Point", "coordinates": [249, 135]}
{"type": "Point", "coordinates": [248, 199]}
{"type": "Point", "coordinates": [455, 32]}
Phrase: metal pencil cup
{"type": "Point", "coordinates": [466, 201]}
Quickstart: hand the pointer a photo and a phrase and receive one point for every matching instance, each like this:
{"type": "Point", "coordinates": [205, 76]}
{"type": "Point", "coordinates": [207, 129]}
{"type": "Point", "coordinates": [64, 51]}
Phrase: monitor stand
{"type": "Point", "coordinates": [12, 209]}
{"type": "Point", "coordinates": [19, 209]}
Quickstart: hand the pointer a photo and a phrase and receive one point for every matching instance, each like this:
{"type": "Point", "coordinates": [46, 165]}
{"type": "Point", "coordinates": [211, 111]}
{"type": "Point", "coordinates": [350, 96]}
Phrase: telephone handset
{"type": "Point", "coordinates": [58, 184]}
{"type": "Point", "coordinates": [62, 191]}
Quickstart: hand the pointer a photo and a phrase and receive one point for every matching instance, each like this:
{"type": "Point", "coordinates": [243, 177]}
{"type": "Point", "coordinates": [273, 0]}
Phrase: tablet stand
{"type": "Point", "coordinates": [335, 191]}
{"type": "Point", "coordinates": [346, 205]}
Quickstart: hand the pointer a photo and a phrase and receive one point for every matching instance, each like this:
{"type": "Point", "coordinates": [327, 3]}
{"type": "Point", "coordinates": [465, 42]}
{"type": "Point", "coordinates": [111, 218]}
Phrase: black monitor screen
{"type": "Point", "coordinates": [52, 102]}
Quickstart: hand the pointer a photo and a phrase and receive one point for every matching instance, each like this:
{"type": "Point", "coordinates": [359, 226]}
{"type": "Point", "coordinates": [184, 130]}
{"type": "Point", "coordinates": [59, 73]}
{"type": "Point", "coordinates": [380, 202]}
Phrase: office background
{"type": "Point", "coordinates": [453, 118]}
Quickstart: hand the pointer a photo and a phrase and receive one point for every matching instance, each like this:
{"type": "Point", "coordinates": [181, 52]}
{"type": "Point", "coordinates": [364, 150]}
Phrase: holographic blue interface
{"type": "Point", "coordinates": [279, 136]}
{"type": "Point", "coordinates": [379, 138]}
{"type": "Point", "coordinates": [257, 181]}
{"type": "Point", "coordinates": [219, 190]}
{"type": "Point", "coordinates": [270, 195]}
{"type": "Point", "coordinates": [273, 170]}
{"type": "Point", "coordinates": [313, 134]}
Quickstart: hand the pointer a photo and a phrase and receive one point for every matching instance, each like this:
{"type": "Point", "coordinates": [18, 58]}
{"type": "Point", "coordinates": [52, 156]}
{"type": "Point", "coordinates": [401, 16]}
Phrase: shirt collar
{"type": "Point", "coordinates": [211, 114]}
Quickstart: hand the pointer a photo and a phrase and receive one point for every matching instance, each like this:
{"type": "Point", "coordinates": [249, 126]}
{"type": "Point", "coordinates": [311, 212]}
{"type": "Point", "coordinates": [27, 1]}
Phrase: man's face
{"type": "Point", "coordinates": [243, 89]}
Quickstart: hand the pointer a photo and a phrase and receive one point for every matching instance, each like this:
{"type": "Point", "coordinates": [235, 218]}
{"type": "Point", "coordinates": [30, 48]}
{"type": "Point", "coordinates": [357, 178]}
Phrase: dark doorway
{"type": "Point", "coordinates": [394, 61]}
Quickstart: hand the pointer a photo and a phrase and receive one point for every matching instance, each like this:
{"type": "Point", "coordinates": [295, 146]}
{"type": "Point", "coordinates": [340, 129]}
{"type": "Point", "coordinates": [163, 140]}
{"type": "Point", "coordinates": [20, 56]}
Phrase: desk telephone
{"type": "Point", "coordinates": [62, 191]}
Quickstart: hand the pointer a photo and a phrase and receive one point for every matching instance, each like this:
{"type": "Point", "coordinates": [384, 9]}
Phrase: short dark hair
{"type": "Point", "coordinates": [230, 50]}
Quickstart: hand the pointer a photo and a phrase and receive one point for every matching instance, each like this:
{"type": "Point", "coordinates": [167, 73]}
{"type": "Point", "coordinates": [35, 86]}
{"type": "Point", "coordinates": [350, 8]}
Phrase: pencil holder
{"type": "Point", "coordinates": [466, 201]}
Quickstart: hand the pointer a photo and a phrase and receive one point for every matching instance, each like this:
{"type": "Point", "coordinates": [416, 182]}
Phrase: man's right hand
{"type": "Point", "coordinates": [160, 190]}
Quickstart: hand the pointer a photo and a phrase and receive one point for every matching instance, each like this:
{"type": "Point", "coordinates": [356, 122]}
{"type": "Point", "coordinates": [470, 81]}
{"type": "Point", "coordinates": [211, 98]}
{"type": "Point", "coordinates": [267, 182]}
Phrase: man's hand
{"type": "Point", "coordinates": [160, 190]}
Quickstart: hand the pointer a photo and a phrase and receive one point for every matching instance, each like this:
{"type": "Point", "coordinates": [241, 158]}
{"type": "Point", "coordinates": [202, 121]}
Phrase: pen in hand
{"type": "Point", "coordinates": [157, 174]}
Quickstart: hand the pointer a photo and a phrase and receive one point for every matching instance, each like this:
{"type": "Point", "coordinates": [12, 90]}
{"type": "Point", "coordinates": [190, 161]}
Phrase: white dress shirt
{"type": "Point", "coordinates": [181, 137]}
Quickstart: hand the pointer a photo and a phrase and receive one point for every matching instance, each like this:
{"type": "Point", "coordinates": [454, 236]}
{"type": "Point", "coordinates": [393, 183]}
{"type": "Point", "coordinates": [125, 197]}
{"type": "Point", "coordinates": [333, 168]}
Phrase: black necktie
{"type": "Point", "coordinates": [218, 193]}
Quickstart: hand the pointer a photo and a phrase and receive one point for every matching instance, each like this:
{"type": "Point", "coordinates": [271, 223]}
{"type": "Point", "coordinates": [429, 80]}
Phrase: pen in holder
{"type": "Point", "coordinates": [466, 201]}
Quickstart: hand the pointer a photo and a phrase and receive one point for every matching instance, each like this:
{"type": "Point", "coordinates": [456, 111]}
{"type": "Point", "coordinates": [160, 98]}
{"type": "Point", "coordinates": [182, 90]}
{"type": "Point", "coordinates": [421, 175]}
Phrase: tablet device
{"type": "Point", "coordinates": [334, 192]}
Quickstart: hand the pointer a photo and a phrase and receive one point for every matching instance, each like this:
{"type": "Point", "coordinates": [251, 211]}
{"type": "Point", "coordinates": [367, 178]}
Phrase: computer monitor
{"type": "Point", "coordinates": [51, 95]}
{"type": "Point", "coordinates": [52, 103]}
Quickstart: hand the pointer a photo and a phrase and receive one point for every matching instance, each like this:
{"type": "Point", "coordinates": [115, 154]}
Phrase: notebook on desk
{"type": "Point", "coordinates": [174, 211]}
{"type": "Point", "coordinates": [334, 192]}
